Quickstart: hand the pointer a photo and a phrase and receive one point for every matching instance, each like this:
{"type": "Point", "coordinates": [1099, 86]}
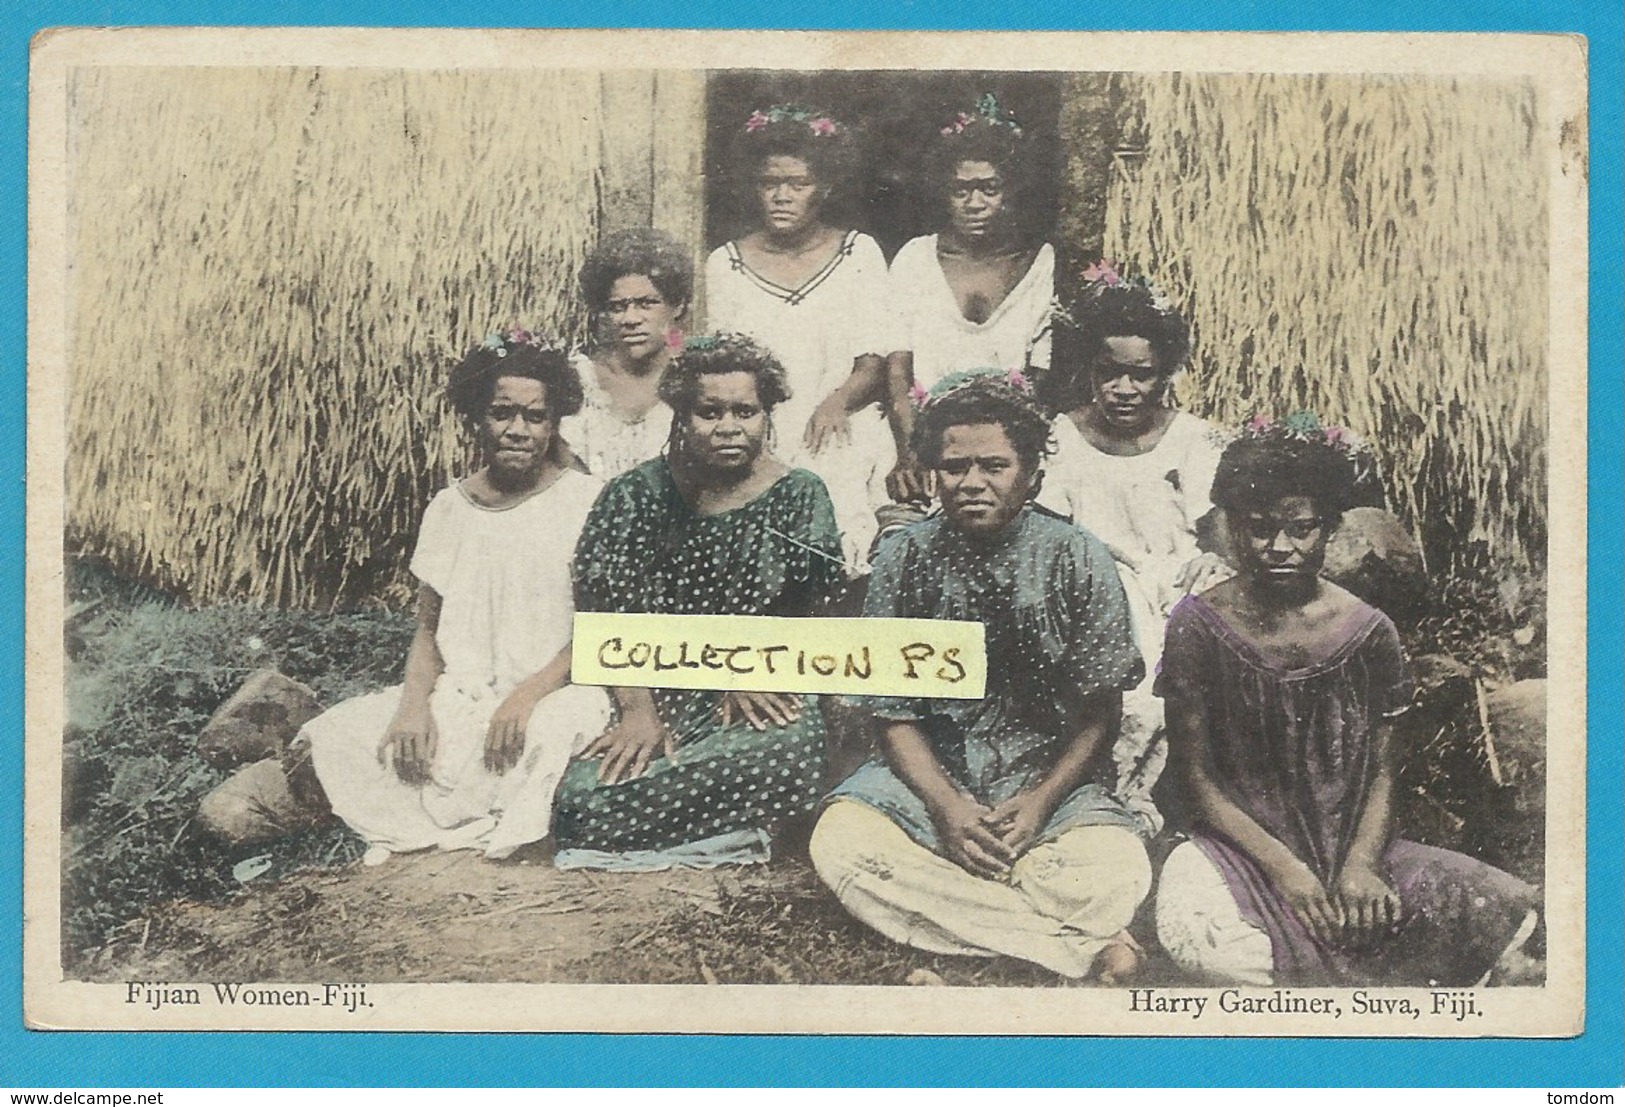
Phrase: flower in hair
{"type": "Point", "coordinates": [1105, 271]}
{"type": "Point", "coordinates": [988, 113]}
{"type": "Point", "coordinates": [821, 125]}
{"type": "Point", "coordinates": [918, 394]}
{"type": "Point", "coordinates": [1013, 379]}
{"type": "Point", "coordinates": [1306, 427]}
{"type": "Point", "coordinates": [502, 342]}
{"type": "Point", "coordinates": [1303, 424]}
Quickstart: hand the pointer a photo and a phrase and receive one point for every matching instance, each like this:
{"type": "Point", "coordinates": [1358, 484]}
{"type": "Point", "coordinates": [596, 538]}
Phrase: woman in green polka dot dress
{"type": "Point", "coordinates": [716, 525]}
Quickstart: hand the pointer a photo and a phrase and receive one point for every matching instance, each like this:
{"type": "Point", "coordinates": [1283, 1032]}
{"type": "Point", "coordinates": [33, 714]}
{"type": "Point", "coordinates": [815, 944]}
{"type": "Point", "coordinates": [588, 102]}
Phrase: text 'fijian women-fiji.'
{"type": "Point", "coordinates": [347, 997]}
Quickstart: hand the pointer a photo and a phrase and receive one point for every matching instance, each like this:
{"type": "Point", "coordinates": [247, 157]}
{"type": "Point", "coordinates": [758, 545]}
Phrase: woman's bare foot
{"type": "Point", "coordinates": [1118, 961]}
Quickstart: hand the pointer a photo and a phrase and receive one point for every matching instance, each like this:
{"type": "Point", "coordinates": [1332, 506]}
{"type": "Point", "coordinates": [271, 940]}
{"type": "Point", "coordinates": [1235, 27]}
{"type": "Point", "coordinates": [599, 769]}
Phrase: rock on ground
{"type": "Point", "coordinates": [260, 720]}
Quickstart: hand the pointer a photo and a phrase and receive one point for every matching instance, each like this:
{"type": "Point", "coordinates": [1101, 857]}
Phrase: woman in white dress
{"type": "Point", "coordinates": [468, 752]}
{"type": "Point", "coordinates": [977, 294]}
{"type": "Point", "coordinates": [815, 296]}
{"type": "Point", "coordinates": [1136, 473]}
{"type": "Point", "coordinates": [638, 284]}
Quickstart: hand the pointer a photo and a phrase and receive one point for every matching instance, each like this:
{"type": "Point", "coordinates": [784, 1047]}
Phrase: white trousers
{"type": "Point", "coordinates": [1065, 901]}
{"type": "Point", "coordinates": [1200, 926]}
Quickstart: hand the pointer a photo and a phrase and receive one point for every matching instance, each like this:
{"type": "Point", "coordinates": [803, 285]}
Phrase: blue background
{"type": "Point", "coordinates": [1595, 1059]}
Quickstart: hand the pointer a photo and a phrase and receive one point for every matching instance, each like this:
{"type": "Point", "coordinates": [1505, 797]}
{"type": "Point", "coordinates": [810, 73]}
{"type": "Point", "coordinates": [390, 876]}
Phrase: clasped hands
{"type": "Point", "coordinates": [987, 841]}
{"type": "Point", "coordinates": [1356, 911]}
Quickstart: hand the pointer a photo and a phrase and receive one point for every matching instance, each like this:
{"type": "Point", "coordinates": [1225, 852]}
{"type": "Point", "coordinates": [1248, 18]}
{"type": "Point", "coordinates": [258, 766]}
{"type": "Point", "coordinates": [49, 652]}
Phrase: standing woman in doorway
{"type": "Point", "coordinates": [978, 292]}
{"type": "Point", "coordinates": [814, 294]}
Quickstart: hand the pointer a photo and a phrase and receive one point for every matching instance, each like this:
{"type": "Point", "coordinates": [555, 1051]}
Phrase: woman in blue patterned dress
{"type": "Point", "coordinates": [990, 826]}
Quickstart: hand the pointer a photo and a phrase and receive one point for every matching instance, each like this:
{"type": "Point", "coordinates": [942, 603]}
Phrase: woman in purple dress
{"type": "Point", "coordinates": [1281, 692]}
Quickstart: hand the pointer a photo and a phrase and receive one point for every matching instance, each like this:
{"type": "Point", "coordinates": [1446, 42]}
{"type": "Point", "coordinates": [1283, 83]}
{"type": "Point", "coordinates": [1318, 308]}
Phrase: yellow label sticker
{"type": "Point", "coordinates": [761, 653]}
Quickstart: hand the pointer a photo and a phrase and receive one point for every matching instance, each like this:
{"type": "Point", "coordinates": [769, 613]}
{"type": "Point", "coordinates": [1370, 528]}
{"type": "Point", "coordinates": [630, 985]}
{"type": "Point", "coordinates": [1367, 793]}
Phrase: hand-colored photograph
{"type": "Point", "coordinates": [1222, 403]}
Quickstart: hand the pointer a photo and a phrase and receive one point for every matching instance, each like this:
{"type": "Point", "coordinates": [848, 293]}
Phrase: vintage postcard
{"type": "Point", "coordinates": [757, 532]}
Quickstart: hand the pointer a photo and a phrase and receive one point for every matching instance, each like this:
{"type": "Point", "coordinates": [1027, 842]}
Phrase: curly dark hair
{"type": "Point", "coordinates": [832, 158]}
{"type": "Point", "coordinates": [1001, 146]}
{"type": "Point", "coordinates": [638, 252]}
{"type": "Point", "coordinates": [1255, 470]}
{"type": "Point", "coordinates": [704, 355]}
{"type": "Point", "coordinates": [984, 400]}
{"type": "Point", "coordinates": [474, 378]}
{"type": "Point", "coordinates": [1080, 330]}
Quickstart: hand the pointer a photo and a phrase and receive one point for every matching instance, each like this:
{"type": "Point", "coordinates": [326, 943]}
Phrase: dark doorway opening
{"type": "Point", "coordinates": [898, 114]}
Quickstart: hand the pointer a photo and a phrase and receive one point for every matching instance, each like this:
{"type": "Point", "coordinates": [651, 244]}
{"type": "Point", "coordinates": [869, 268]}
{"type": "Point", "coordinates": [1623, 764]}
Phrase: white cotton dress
{"type": "Point", "coordinates": [608, 444]}
{"type": "Point", "coordinates": [1145, 509]}
{"type": "Point", "coordinates": [930, 324]}
{"type": "Point", "coordinates": [817, 331]}
{"type": "Point", "coordinates": [503, 577]}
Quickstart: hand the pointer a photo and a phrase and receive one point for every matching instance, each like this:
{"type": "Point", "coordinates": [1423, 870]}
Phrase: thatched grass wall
{"type": "Point", "coordinates": [1374, 250]}
{"type": "Point", "coordinates": [271, 271]}
{"type": "Point", "coordinates": [273, 267]}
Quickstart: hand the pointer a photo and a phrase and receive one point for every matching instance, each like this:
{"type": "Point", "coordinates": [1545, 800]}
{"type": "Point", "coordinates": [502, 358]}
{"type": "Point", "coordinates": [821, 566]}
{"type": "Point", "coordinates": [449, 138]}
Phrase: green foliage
{"type": "Point", "coordinates": [144, 676]}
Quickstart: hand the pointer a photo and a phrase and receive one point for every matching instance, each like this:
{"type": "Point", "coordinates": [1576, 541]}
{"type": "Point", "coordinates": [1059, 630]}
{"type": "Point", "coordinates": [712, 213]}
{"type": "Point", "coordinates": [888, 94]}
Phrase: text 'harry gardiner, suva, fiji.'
{"type": "Point", "coordinates": [1456, 1004]}
{"type": "Point", "coordinates": [155, 996]}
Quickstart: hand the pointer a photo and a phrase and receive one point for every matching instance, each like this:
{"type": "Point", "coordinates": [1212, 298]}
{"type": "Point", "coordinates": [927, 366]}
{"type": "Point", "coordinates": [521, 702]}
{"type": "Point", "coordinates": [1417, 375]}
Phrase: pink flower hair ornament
{"type": "Point", "coordinates": [1013, 379]}
{"type": "Point", "coordinates": [821, 125]}
{"type": "Point", "coordinates": [1104, 271]}
{"type": "Point", "coordinates": [987, 113]}
{"type": "Point", "coordinates": [502, 342]}
{"type": "Point", "coordinates": [1108, 273]}
{"type": "Point", "coordinates": [1305, 426]}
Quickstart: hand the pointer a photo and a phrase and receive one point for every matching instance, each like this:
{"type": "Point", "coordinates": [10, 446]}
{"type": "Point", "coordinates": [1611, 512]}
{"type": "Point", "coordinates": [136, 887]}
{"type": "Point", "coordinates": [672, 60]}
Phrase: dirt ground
{"type": "Point", "coordinates": [456, 916]}
{"type": "Point", "coordinates": [423, 917]}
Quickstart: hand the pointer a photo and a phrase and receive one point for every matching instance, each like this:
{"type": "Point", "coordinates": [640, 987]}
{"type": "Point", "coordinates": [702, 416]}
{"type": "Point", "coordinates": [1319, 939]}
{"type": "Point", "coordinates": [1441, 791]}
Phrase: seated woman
{"type": "Point", "coordinates": [638, 284]}
{"type": "Point", "coordinates": [717, 526]}
{"type": "Point", "coordinates": [813, 295]}
{"type": "Point", "coordinates": [978, 293]}
{"type": "Point", "coordinates": [1282, 689]}
{"type": "Point", "coordinates": [1136, 473]}
{"type": "Point", "coordinates": [986, 829]}
{"type": "Point", "coordinates": [467, 753]}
